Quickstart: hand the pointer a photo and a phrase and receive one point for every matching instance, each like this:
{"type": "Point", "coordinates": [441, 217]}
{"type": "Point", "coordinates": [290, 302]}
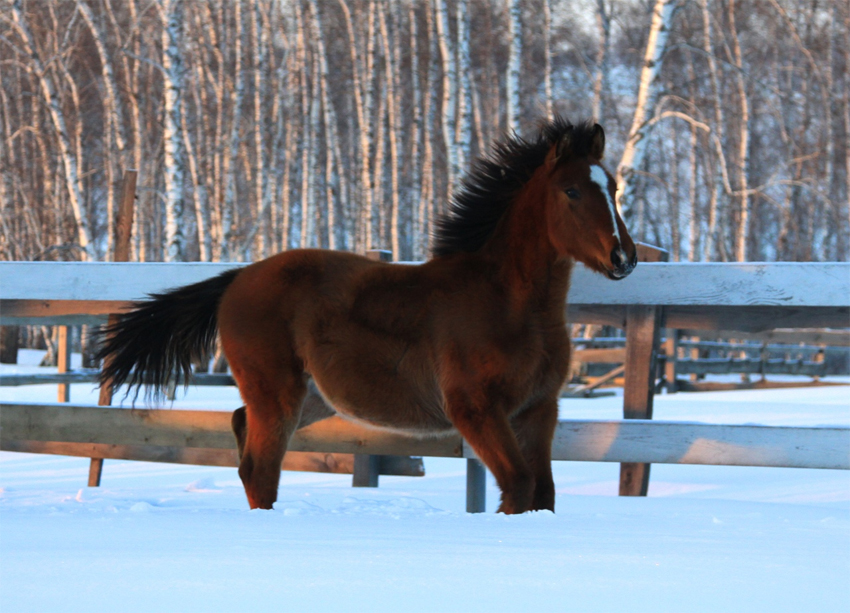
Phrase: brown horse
{"type": "Point", "coordinates": [472, 341]}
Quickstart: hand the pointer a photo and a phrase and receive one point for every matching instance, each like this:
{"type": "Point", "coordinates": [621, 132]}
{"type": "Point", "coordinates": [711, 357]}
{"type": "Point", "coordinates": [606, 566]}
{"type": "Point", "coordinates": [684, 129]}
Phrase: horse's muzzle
{"type": "Point", "coordinates": [622, 264]}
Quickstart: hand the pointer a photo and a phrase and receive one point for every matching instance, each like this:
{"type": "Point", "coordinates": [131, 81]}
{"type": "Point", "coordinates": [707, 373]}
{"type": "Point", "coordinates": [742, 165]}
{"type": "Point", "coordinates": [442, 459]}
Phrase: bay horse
{"type": "Point", "coordinates": [472, 341]}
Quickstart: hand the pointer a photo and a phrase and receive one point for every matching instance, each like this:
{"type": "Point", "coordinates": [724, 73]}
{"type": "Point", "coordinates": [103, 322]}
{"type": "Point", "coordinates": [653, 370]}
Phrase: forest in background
{"type": "Point", "coordinates": [262, 125]}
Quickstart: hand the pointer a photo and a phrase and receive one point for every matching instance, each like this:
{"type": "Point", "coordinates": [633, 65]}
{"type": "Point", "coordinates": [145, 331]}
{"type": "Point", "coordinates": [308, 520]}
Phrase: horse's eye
{"type": "Point", "coordinates": [572, 193]}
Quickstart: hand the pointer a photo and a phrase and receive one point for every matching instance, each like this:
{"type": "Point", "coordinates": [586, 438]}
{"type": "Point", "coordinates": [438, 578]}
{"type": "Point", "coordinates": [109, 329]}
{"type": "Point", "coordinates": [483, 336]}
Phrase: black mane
{"type": "Point", "coordinates": [494, 181]}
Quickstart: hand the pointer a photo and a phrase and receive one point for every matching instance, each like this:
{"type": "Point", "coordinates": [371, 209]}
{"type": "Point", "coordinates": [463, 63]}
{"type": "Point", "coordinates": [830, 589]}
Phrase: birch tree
{"type": "Point", "coordinates": [231, 161]}
{"type": "Point", "coordinates": [514, 63]}
{"type": "Point", "coordinates": [448, 102]}
{"type": "Point", "coordinates": [463, 138]}
{"type": "Point", "coordinates": [172, 13]}
{"type": "Point", "coordinates": [70, 161]}
{"type": "Point", "coordinates": [635, 149]}
{"type": "Point", "coordinates": [743, 140]}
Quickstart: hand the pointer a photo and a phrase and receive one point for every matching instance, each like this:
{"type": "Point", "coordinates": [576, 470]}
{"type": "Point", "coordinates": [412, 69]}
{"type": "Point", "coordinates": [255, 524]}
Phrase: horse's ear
{"type": "Point", "coordinates": [565, 144]}
{"type": "Point", "coordinates": [597, 142]}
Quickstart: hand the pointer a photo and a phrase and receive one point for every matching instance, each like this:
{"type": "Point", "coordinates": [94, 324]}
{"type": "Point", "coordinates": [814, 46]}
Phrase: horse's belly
{"type": "Point", "coordinates": [365, 388]}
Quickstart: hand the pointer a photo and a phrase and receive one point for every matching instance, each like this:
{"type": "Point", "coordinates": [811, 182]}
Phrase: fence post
{"type": "Point", "coordinates": [671, 351]}
{"type": "Point", "coordinates": [368, 467]}
{"type": "Point", "coordinates": [63, 362]}
{"type": "Point", "coordinates": [476, 486]}
{"type": "Point", "coordinates": [643, 327]}
{"type": "Point", "coordinates": [123, 232]}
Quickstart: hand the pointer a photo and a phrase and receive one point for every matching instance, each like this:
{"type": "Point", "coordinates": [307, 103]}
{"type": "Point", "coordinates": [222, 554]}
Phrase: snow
{"type": "Point", "coordinates": [159, 537]}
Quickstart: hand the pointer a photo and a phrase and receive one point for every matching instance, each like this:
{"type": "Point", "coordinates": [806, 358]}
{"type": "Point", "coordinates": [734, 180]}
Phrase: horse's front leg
{"type": "Point", "coordinates": [484, 425]}
{"type": "Point", "coordinates": [535, 429]}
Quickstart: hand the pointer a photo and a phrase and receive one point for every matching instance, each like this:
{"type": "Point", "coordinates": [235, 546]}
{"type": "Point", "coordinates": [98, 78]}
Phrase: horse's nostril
{"type": "Point", "coordinates": [618, 257]}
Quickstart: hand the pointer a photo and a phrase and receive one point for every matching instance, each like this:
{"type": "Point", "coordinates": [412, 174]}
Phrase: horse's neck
{"type": "Point", "coordinates": [525, 259]}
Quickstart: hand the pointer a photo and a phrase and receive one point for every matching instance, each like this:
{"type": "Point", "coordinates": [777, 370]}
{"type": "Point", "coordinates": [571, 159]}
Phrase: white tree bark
{"type": "Point", "coordinates": [448, 101]}
{"type": "Point", "coordinates": [392, 130]}
{"type": "Point", "coordinates": [846, 45]}
{"type": "Point", "coordinates": [113, 113]}
{"type": "Point", "coordinates": [231, 161]}
{"type": "Point", "coordinates": [743, 142]}
{"type": "Point", "coordinates": [600, 81]}
{"type": "Point", "coordinates": [260, 175]}
{"type": "Point", "coordinates": [70, 161]}
{"type": "Point", "coordinates": [333, 157]}
{"type": "Point", "coordinates": [426, 197]}
{"type": "Point", "coordinates": [362, 130]}
{"type": "Point", "coordinates": [634, 152]}
{"type": "Point", "coordinates": [709, 245]}
{"type": "Point", "coordinates": [463, 136]}
{"type": "Point", "coordinates": [172, 12]}
{"type": "Point", "coordinates": [547, 57]}
{"type": "Point", "coordinates": [514, 63]}
{"type": "Point", "coordinates": [416, 135]}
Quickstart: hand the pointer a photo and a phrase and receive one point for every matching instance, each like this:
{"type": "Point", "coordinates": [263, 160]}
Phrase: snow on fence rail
{"type": "Point", "coordinates": [750, 297]}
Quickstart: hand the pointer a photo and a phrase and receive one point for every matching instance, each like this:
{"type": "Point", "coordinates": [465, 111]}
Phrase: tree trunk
{"type": "Point", "coordinates": [743, 142]}
{"type": "Point", "coordinates": [172, 12]}
{"type": "Point", "coordinates": [463, 136]}
{"type": "Point", "coordinates": [70, 161]}
{"type": "Point", "coordinates": [230, 162]}
{"type": "Point", "coordinates": [448, 103]}
{"type": "Point", "coordinates": [600, 81]}
{"type": "Point", "coordinates": [392, 132]}
{"type": "Point", "coordinates": [514, 63]}
{"type": "Point", "coordinates": [636, 145]}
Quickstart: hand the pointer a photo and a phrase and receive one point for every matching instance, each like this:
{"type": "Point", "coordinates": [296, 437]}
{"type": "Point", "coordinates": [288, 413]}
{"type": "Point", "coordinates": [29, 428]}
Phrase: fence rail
{"type": "Point", "coordinates": [204, 437]}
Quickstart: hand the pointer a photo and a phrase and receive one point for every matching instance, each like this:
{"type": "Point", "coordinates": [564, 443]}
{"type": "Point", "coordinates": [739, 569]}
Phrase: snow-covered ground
{"type": "Point", "coordinates": [159, 537]}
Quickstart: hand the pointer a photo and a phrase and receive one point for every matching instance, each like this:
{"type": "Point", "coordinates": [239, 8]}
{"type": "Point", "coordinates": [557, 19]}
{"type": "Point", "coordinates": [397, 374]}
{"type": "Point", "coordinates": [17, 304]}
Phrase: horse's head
{"type": "Point", "coordinates": [583, 219]}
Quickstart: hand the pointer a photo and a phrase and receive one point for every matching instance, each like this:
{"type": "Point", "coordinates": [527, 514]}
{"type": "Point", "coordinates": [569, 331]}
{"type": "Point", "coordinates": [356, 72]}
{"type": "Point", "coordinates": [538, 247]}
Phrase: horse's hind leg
{"type": "Point", "coordinates": [263, 428]}
{"type": "Point", "coordinates": [535, 428]}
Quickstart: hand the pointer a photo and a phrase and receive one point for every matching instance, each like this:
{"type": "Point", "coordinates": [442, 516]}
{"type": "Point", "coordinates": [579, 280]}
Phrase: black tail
{"type": "Point", "coordinates": [156, 343]}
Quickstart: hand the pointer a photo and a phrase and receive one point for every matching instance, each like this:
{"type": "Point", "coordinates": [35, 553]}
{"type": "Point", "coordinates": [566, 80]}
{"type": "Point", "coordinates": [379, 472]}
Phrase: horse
{"type": "Point", "coordinates": [472, 341]}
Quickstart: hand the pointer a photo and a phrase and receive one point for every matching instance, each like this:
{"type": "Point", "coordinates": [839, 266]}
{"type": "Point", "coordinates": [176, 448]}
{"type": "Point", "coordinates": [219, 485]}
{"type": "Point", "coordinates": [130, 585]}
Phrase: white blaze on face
{"type": "Point", "coordinates": [600, 177]}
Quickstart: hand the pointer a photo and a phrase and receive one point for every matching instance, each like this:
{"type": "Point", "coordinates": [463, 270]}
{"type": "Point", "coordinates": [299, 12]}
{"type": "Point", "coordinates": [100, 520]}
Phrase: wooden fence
{"type": "Point", "coordinates": [753, 297]}
{"type": "Point", "coordinates": [700, 353]}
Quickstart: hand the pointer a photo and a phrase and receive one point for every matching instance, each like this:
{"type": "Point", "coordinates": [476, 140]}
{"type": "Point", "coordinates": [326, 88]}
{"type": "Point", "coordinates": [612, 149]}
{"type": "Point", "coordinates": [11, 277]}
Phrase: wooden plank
{"type": "Point", "coordinates": [755, 318]}
{"type": "Point", "coordinates": [666, 442]}
{"type": "Point", "coordinates": [658, 442]}
{"type": "Point", "coordinates": [671, 358]}
{"type": "Point", "coordinates": [338, 463]}
{"type": "Point", "coordinates": [70, 312]}
{"type": "Point", "coordinates": [651, 253]}
{"type": "Point", "coordinates": [783, 284]}
{"type": "Point", "coordinates": [832, 338]}
{"type": "Point", "coordinates": [201, 429]}
{"type": "Point", "coordinates": [752, 319]}
{"type": "Point", "coordinates": [586, 390]}
{"type": "Point", "coordinates": [608, 356]}
{"type": "Point", "coordinates": [44, 379]}
{"type": "Point", "coordinates": [716, 366]}
{"type": "Point", "coordinates": [63, 363]}
{"type": "Point", "coordinates": [643, 327]}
